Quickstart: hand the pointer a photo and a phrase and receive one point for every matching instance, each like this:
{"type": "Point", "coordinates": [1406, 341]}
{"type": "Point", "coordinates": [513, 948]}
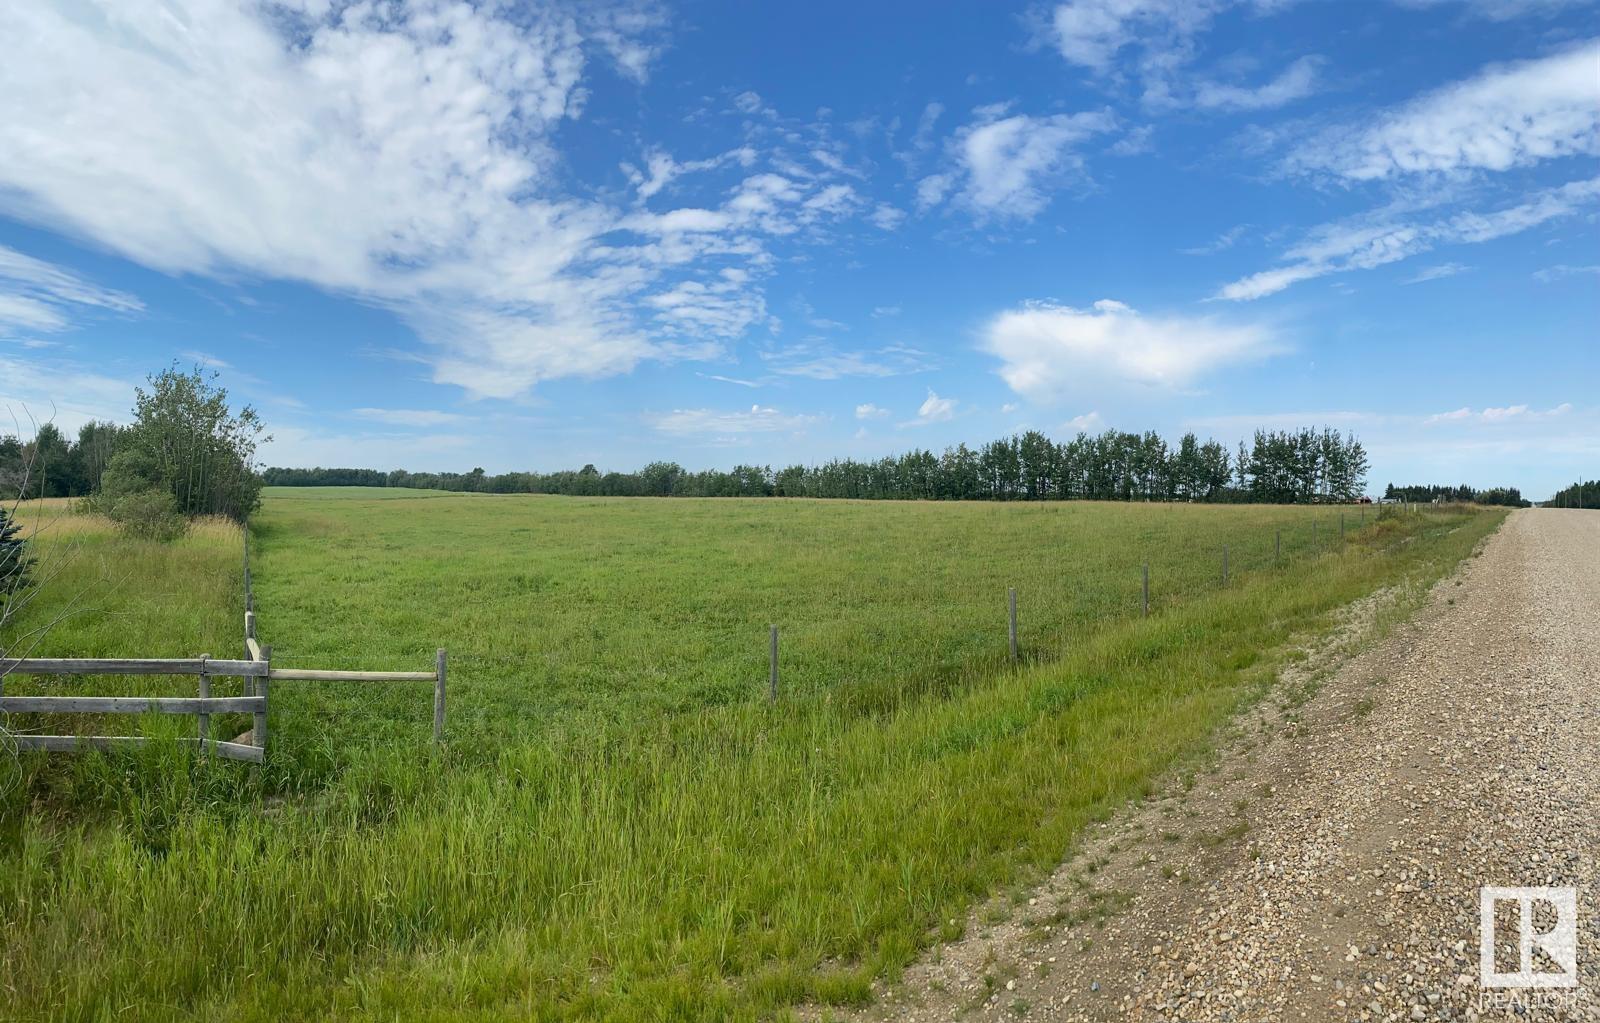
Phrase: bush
{"type": "Point", "coordinates": [147, 515]}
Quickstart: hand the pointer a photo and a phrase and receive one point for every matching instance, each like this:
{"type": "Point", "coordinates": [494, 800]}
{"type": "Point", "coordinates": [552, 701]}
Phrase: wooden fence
{"type": "Point", "coordinates": [202, 706]}
{"type": "Point", "coordinates": [255, 669]}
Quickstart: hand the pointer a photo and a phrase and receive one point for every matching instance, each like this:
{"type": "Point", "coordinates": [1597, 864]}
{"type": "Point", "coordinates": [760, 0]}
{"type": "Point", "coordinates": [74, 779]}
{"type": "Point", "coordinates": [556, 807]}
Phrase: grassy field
{"type": "Point", "coordinates": [620, 827]}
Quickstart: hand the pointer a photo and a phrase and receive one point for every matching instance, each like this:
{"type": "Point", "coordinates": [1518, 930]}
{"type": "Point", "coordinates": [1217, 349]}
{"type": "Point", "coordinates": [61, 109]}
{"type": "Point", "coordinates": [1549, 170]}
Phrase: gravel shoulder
{"type": "Point", "coordinates": [1326, 865]}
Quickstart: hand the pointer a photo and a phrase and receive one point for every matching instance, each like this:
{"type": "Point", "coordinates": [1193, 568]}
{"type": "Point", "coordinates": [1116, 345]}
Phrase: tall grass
{"type": "Point", "coordinates": [603, 852]}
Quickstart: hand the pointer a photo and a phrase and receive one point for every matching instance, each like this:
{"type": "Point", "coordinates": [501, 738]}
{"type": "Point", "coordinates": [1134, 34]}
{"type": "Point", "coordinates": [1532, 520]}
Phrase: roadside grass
{"type": "Point", "coordinates": [599, 841]}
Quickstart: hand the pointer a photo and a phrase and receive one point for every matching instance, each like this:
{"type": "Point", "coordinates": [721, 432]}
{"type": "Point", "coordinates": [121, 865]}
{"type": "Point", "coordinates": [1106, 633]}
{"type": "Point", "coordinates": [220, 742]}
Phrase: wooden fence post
{"type": "Point", "coordinates": [1224, 564]}
{"type": "Point", "coordinates": [1011, 601]}
{"type": "Point", "coordinates": [772, 663]}
{"type": "Point", "coordinates": [1277, 546]}
{"type": "Point", "coordinates": [438, 698]}
{"type": "Point", "coordinates": [1146, 588]}
{"type": "Point", "coordinates": [1341, 528]}
{"type": "Point", "coordinates": [263, 687]}
{"type": "Point", "coordinates": [204, 719]}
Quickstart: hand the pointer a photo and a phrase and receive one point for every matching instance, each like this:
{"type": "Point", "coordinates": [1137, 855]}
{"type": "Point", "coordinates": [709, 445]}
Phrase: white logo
{"type": "Point", "coordinates": [1559, 943]}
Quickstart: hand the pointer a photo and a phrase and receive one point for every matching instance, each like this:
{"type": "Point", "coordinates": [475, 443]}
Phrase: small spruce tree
{"type": "Point", "coordinates": [13, 557]}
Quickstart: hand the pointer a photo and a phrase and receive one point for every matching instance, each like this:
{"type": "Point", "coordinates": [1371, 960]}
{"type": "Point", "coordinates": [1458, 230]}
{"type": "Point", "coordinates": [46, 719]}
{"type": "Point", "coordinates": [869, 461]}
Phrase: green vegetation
{"type": "Point", "coordinates": [620, 826]}
{"type": "Point", "coordinates": [1290, 467]}
{"type": "Point", "coordinates": [1509, 497]}
{"type": "Point", "coordinates": [186, 454]}
{"type": "Point", "coordinates": [1578, 495]}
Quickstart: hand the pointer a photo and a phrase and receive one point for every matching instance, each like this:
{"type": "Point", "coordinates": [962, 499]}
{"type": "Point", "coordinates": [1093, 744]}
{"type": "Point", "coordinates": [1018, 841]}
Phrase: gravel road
{"type": "Point", "coordinates": [1327, 865]}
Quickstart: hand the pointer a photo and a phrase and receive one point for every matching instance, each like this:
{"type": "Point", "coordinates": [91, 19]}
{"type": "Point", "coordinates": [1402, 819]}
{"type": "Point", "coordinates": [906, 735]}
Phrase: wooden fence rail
{"type": "Point", "coordinates": [202, 707]}
{"type": "Point", "coordinates": [256, 670]}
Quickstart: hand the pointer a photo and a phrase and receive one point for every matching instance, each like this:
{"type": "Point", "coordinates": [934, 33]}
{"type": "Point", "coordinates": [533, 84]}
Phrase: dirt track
{"type": "Point", "coordinates": [1328, 867]}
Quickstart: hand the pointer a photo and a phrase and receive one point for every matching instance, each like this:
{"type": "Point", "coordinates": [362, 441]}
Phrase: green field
{"type": "Point", "coordinates": [620, 826]}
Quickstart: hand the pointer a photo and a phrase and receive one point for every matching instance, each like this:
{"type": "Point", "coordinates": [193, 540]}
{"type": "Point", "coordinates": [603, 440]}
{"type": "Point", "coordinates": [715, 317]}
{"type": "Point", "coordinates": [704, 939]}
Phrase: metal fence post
{"type": "Point", "coordinates": [1277, 545]}
{"type": "Point", "coordinates": [1224, 564]}
{"type": "Point", "coordinates": [1146, 589]}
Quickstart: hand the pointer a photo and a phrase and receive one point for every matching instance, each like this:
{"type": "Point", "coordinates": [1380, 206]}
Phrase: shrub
{"type": "Point", "coordinates": [147, 515]}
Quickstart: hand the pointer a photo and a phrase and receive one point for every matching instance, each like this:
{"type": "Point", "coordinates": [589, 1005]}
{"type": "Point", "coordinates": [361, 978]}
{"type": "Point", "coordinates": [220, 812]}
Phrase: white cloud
{"type": "Point", "coordinates": [40, 296]}
{"type": "Point", "coordinates": [1090, 33]}
{"type": "Point", "coordinates": [1008, 163]}
{"type": "Point", "coordinates": [886, 217]}
{"type": "Point", "coordinates": [1434, 273]}
{"type": "Point", "coordinates": [1297, 81]}
{"type": "Point", "coordinates": [1507, 116]}
{"type": "Point", "coordinates": [931, 190]}
{"type": "Point", "coordinates": [409, 417]}
{"type": "Point", "coordinates": [934, 409]}
{"type": "Point", "coordinates": [885, 310]}
{"type": "Point", "coordinates": [758, 419]}
{"type": "Point", "coordinates": [1088, 422]}
{"type": "Point", "coordinates": [403, 153]}
{"type": "Point", "coordinates": [1365, 243]}
{"type": "Point", "coordinates": [1560, 270]}
{"type": "Point", "coordinates": [1161, 36]}
{"type": "Point", "coordinates": [1009, 407]}
{"type": "Point", "coordinates": [1503, 414]}
{"type": "Point", "coordinates": [1050, 351]}
{"type": "Point", "coordinates": [871, 411]}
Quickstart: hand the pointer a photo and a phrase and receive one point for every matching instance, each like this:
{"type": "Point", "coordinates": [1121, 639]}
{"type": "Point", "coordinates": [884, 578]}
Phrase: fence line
{"type": "Point", "coordinates": [255, 669]}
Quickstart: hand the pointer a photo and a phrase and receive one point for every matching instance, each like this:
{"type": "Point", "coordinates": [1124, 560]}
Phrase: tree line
{"type": "Point", "coordinates": [185, 454]}
{"type": "Point", "coordinates": [1278, 467]}
{"type": "Point", "coordinates": [1578, 495]}
{"type": "Point", "coordinates": [1429, 494]}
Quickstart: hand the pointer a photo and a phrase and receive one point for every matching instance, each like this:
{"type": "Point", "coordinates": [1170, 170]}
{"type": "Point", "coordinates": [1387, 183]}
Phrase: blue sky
{"type": "Point", "coordinates": [431, 235]}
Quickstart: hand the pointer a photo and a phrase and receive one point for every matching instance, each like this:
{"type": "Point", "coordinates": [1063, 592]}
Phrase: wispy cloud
{"type": "Point", "coordinates": [823, 362]}
{"type": "Point", "coordinates": [1224, 241]}
{"type": "Point", "coordinates": [1297, 81]}
{"type": "Point", "coordinates": [42, 297]}
{"type": "Point", "coordinates": [1434, 273]}
{"type": "Point", "coordinates": [1560, 270]}
{"type": "Point", "coordinates": [709, 422]}
{"type": "Point", "coordinates": [1502, 414]}
{"type": "Point", "coordinates": [1506, 116]}
{"type": "Point", "coordinates": [470, 231]}
{"type": "Point", "coordinates": [871, 411]}
{"type": "Point", "coordinates": [1373, 241]}
{"type": "Point", "coordinates": [409, 416]}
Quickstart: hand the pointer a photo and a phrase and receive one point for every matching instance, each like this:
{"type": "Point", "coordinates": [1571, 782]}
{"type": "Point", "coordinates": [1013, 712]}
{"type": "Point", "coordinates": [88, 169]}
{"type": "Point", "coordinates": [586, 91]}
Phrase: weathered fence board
{"type": "Point", "coordinates": [129, 666]}
{"type": "Point", "coordinates": [313, 675]}
{"type": "Point", "coordinates": [130, 704]}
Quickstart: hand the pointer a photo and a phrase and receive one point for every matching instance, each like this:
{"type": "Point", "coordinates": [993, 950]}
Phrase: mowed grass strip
{"type": "Point", "coordinates": [724, 863]}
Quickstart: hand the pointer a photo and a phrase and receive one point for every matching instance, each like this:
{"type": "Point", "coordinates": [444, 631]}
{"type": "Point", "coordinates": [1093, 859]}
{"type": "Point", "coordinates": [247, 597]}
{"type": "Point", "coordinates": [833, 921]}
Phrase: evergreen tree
{"type": "Point", "coordinates": [13, 557]}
